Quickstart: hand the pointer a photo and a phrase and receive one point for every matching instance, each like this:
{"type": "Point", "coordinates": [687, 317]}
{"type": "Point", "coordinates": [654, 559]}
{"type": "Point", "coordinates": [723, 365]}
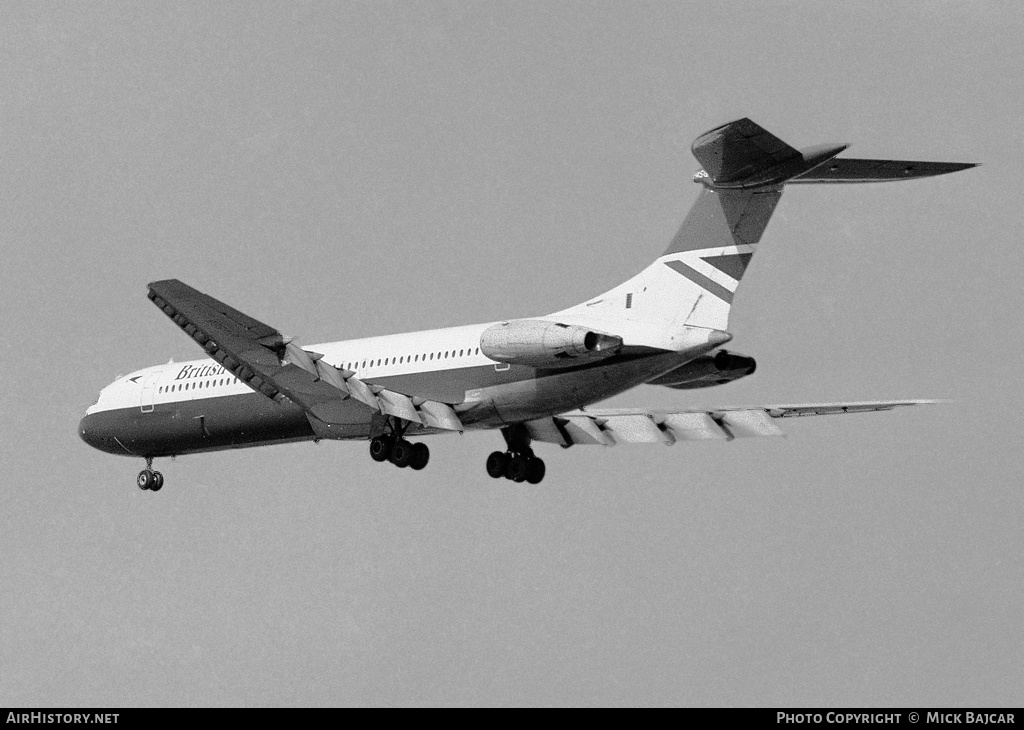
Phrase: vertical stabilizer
{"type": "Point", "coordinates": [692, 284]}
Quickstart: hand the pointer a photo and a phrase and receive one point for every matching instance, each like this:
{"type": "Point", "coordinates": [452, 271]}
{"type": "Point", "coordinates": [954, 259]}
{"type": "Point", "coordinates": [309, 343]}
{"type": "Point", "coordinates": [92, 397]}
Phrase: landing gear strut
{"type": "Point", "coordinates": [394, 448]}
{"type": "Point", "coordinates": [518, 464]}
{"type": "Point", "coordinates": [149, 479]}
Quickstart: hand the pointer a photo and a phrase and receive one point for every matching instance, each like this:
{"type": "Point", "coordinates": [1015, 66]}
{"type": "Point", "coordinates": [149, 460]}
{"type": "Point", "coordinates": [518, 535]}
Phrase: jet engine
{"type": "Point", "coordinates": [539, 343]}
{"type": "Point", "coordinates": [714, 368]}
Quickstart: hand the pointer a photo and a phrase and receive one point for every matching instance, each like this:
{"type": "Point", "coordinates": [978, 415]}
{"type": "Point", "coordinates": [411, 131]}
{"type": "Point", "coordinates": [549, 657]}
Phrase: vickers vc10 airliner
{"type": "Point", "coordinates": [532, 379]}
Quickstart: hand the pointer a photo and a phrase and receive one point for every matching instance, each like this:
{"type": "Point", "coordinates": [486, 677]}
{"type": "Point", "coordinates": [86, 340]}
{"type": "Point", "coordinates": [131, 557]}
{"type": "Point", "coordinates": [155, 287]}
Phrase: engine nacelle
{"type": "Point", "coordinates": [540, 343]}
{"type": "Point", "coordinates": [714, 368]}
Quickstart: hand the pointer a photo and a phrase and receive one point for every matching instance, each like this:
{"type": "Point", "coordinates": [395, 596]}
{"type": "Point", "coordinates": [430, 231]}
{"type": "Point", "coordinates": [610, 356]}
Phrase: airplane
{"type": "Point", "coordinates": [534, 379]}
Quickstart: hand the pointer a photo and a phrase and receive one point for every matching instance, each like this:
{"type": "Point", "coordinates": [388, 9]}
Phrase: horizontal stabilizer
{"type": "Point", "coordinates": [743, 155]}
{"type": "Point", "coordinates": [841, 170]}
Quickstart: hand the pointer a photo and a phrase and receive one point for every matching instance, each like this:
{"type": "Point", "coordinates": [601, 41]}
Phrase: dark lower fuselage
{"type": "Point", "coordinates": [486, 397]}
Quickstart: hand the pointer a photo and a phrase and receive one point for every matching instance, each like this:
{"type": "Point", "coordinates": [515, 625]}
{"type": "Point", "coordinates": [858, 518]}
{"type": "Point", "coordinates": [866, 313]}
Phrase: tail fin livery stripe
{"type": "Point", "coordinates": [732, 264]}
{"type": "Point", "coordinates": [723, 293]}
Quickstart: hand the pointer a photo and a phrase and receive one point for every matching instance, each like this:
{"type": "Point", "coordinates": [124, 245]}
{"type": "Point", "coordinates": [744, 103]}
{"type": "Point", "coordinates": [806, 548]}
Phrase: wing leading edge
{"type": "Point", "coordinates": [635, 426]}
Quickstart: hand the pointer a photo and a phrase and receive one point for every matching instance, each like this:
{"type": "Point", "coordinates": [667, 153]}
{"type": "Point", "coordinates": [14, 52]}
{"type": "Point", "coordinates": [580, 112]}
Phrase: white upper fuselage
{"type": "Point", "coordinates": [427, 353]}
{"type": "Point", "coordinates": [371, 358]}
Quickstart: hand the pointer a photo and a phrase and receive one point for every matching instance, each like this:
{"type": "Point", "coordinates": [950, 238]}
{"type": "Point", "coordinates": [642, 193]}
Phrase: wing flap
{"type": "Point", "coordinates": [638, 429]}
{"type": "Point", "coordinates": [747, 424]}
{"type": "Point", "coordinates": [440, 415]}
{"type": "Point", "coordinates": [583, 429]}
{"type": "Point", "coordinates": [547, 430]}
{"type": "Point", "coordinates": [637, 426]}
{"type": "Point", "coordinates": [260, 356]}
{"type": "Point", "coordinates": [695, 427]}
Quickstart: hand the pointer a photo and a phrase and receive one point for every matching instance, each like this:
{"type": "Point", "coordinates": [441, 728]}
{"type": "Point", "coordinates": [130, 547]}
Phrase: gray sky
{"type": "Point", "coordinates": [343, 170]}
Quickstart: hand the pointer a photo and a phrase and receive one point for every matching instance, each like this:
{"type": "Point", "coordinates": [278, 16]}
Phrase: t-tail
{"type": "Point", "coordinates": [693, 283]}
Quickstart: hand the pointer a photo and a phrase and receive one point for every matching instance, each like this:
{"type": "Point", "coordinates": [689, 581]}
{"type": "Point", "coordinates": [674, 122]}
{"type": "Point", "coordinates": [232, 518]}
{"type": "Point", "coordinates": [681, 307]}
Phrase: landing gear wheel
{"type": "Point", "coordinates": [535, 470]}
{"type": "Point", "coordinates": [496, 464]}
{"type": "Point", "coordinates": [402, 454]}
{"type": "Point", "coordinates": [420, 456]}
{"type": "Point", "coordinates": [380, 448]}
{"type": "Point", "coordinates": [145, 480]}
{"type": "Point", "coordinates": [158, 482]}
{"type": "Point", "coordinates": [517, 468]}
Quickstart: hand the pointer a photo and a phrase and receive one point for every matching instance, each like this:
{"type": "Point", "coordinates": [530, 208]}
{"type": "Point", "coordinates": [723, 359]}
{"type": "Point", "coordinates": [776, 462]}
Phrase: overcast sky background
{"type": "Point", "coordinates": [343, 170]}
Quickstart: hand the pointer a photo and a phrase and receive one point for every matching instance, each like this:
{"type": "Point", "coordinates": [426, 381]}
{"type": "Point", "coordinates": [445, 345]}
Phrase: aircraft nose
{"type": "Point", "coordinates": [87, 434]}
{"type": "Point", "coordinates": [93, 431]}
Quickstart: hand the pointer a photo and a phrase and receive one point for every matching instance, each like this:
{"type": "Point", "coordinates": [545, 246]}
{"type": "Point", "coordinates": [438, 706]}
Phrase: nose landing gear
{"type": "Point", "coordinates": [149, 479]}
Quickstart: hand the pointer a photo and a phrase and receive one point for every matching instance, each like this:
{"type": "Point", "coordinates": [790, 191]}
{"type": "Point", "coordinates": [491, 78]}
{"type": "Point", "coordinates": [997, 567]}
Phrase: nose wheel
{"type": "Point", "coordinates": [149, 479]}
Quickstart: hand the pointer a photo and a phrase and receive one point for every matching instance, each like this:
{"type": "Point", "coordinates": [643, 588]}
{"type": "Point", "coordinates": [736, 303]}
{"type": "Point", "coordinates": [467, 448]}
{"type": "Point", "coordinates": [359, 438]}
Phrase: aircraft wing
{"type": "Point", "coordinates": [635, 426]}
{"type": "Point", "coordinates": [271, 364]}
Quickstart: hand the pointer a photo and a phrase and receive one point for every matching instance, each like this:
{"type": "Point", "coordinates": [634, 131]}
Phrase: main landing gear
{"type": "Point", "coordinates": [518, 464]}
{"type": "Point", "coordinates": [149, 479]}
{"type": "Point", "coordinates": [394, 448]}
